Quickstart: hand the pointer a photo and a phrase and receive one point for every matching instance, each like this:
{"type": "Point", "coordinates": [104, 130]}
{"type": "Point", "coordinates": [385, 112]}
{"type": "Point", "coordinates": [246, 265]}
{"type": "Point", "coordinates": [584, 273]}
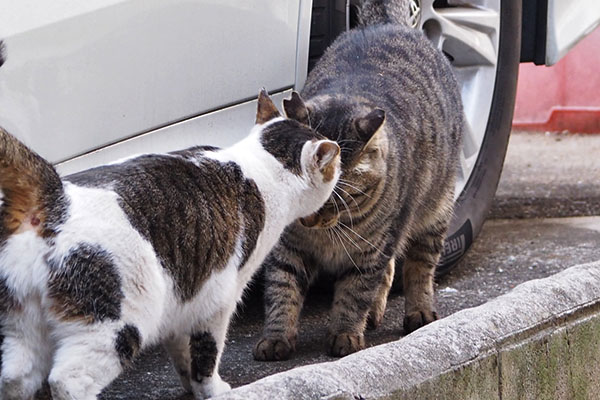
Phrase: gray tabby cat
{"type": "Point", "coordinates": [99, 265]}
{"type": "Point", "coordinates": [391, 100]}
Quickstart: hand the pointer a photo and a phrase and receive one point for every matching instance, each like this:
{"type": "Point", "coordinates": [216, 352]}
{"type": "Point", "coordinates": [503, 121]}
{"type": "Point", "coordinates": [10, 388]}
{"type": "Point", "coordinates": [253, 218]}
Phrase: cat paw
{"type": "Point", "coordinates": [59, 391]}
{"type": "Point", "coordinates": [417, 319]}
{"type": "Point", "coordinates": [14, 389]}
{"type": "Point", "coordinates": [273, 349]}
{"type": "Point", "coordinates": [345, 343]}
{"type": "Point", "coordinates": [374, 320]}
{"type": "Point", "coordinates": [210, 387]}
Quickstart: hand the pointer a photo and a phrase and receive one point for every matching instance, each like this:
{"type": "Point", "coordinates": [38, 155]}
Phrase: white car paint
{"type": "Point", "coordinates": [89, 82]}
{"type": "Point", "coordinates": [81, 76]}
{"type": "Point", "coordinates": [218, 128]}
{"type": "Point", "coordinates": [569, 21]}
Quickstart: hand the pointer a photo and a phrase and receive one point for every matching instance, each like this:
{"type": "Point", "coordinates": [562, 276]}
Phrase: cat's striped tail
{"type": "Point", "coordinates": [373, 12]}
{"type": "Point", "coordinates": [31, 192]}
{"type": "Point", "coordinates": [1, 53]}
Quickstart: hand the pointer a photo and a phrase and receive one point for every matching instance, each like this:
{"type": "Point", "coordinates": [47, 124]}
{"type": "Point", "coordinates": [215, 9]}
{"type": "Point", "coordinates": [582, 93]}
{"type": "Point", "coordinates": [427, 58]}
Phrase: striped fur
{"type": "Point", "coordinates": [394, 199]}
{"type": "Point", "coordinates": [1, 53]}
{"type": "Point", "coordinates": [374, 12]}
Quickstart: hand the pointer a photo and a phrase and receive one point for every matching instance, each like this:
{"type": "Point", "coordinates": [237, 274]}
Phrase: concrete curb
{"type": "Point", "coordinates": [534, 342]}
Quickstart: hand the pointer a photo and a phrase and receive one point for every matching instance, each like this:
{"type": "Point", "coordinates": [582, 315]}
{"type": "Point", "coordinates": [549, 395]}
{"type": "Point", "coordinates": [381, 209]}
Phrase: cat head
{"type": "Point", "coordinates": [310, 162]}
{"type": "Point", "coordinates": [359, 128]}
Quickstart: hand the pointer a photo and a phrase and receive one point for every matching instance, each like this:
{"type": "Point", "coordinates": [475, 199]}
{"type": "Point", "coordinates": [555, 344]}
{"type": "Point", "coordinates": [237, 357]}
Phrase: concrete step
{"type": "Point", "coordinates": [541, 340]}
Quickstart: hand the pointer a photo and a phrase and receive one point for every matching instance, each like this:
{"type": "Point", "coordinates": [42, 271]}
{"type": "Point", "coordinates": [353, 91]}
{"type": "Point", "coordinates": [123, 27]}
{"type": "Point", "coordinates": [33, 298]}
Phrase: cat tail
{"type": "Point", "coordinates": [373, 12]}
{"type": "Point", "coordinates": [31, 192]}
{"type": "Point", "coordinates": [1, 53]}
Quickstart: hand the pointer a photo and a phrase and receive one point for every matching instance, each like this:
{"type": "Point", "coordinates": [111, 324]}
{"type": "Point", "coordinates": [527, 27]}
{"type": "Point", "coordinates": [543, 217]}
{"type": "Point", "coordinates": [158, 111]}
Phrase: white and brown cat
{"type": "Point", "coordinates": [97, 266]}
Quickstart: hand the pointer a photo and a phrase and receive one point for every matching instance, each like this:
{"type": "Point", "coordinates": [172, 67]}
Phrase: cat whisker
{"type": "Point", "coordinates": [352, 198]}
{"type": "Point", "coordinates": [337, 208]}
{"type": "Point", "coordinates": [346, 250]}
{"type": "Point", "coordinates": [345, 205]}
{"type": "Point", "coordinates": [349, 238]}
{"type": "Point", "coordinates": [319, 124]}
{"type": "Point", "coordinates": [344, 182]}
{"type": "Point", "coordinates": [329, 234]}
{"type": "Point", "coordinates": [362, 238]}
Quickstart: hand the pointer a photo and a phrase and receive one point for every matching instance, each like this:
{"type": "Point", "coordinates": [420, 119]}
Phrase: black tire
{"type": "Point", "coordinates": [474, 202]}
{"type": "Point", "coordinates": [327, 22]}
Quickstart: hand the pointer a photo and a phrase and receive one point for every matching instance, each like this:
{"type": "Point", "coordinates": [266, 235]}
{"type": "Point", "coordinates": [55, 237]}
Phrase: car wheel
{"type": "Point", "coordinates": [482, 39]}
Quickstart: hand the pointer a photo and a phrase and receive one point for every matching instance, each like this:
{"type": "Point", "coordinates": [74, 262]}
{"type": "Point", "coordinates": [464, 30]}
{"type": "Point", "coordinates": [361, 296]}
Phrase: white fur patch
{"type": "Point", "coordinates": [22, 264]}
{"type": "Point", "coordinates": [216, 294]}
{"type": "Point", "coordinates": [96, 218]}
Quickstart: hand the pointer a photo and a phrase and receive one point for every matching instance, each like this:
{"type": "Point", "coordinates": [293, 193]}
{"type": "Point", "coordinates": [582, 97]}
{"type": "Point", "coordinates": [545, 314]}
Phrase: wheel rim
{"type": "Point", "coordinates": [468, 33]}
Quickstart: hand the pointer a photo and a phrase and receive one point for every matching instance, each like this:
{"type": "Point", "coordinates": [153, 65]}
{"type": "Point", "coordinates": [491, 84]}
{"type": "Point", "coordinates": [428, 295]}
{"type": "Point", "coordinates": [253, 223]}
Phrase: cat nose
{"type": "Point", "coordinates": [310, 221]}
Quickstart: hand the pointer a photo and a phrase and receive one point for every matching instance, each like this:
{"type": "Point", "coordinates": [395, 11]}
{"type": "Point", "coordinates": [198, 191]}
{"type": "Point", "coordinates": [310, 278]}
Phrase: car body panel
{"type": "Point", "coordinates": [218, 128]}
{"type": "Point", "coordinates": [569, 21]}
{"type": "Point", "coordinates": [83, 75]}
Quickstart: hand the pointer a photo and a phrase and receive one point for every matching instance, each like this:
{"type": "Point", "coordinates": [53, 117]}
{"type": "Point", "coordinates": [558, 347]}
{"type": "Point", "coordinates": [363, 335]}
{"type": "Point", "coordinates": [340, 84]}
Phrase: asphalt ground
{"type": "Point", "coordinates": [542, 173]}
{"type": "Point", "coordinates": [549, 175]}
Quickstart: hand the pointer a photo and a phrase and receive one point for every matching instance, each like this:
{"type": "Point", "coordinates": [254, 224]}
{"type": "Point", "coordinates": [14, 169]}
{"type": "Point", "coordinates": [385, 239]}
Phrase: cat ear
{"type": "Point", "coordinates": [367, 126]}
{"type": "Point", "coordinates": [296, 109]}
{"type": "Point", "coordinates": [266, 110]}
{"type": "Point", "coordinates": [325, 153]}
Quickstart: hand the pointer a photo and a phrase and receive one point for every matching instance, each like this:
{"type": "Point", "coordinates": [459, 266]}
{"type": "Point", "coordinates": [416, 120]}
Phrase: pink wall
{"type": "Point", "coordinates": [565, 96]}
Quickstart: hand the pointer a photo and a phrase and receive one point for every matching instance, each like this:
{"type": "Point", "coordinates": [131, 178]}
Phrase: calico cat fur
{"type": "Point", "coordinates": [392, 102]}
{"type": "Point", "coordinates": [99, 265]}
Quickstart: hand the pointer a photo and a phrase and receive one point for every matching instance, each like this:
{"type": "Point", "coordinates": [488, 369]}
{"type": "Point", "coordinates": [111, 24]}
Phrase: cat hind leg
{"type": "Point", "coordinates": [418, 274]}
{"type": "Point", "coordinates": [378, 308]}
{"type": "Point", "coordinates": [26, 353]}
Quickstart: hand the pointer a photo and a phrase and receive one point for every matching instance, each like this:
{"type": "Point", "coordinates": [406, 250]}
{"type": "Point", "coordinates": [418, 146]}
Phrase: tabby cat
{"type": "Point", "coordinates": [391, 100]}
{"type": "Point", "coordinates": [99, 265]}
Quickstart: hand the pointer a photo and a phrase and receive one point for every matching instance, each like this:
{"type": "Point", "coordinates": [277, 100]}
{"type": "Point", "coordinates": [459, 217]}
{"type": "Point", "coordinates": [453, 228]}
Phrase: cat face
{"type": "Point", "coordinates": [358, 127]}
{"type": "Point", "coordinates": [310, 161]}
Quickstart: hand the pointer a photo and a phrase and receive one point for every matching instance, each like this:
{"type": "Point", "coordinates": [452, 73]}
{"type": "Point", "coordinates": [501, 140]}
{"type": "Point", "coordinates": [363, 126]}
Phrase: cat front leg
{"type": "Point", "coordinates": [206, 345]}
{"type": "Point", "coordinates": [178, 348]}
{"type": "Point", "coordinates": [26, 352]}
{"type": "Point", "coordinates": [286, 283]}
{"type": "Point", "coordinates": [418, 293]}
{"type": "Point", "coordinates": [355, 294]}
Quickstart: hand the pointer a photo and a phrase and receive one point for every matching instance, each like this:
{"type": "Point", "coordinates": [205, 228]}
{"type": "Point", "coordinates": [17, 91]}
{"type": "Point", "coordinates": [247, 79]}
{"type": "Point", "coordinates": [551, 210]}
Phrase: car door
{"type": "Point", "coordinates": [81, 75]}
